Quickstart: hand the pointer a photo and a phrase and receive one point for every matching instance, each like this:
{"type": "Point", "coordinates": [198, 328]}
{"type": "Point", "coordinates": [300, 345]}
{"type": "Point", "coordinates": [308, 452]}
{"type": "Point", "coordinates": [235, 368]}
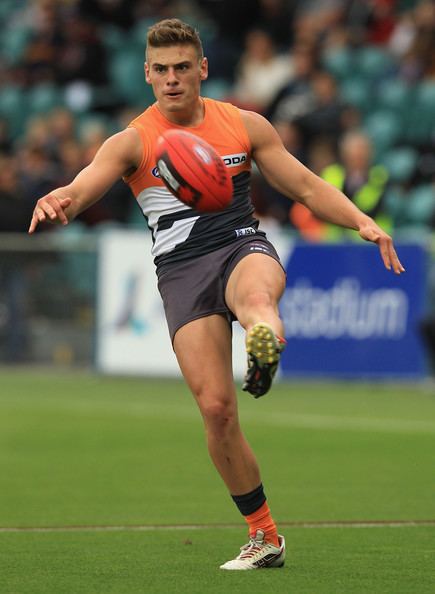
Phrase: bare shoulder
{"type": "Point", "coordinates": [126, 146]}
{"type": "Point", "coordinates": [260, 131]}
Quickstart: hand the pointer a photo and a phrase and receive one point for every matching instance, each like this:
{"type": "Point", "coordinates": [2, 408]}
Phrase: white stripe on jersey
{"type": "Point", "coordinates": [157, 201]}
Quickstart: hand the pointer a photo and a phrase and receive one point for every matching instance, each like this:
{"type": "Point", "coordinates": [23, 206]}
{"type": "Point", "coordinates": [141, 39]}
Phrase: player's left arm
{"type": "Point", "coordinates": [291, 178]}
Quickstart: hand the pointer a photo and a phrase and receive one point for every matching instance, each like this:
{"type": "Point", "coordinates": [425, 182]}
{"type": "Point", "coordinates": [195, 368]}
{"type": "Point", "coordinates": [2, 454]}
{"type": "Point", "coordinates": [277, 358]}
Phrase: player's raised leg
{"type": "Point", "coordinates": [252, 293]}
{"type": "Point", "coordinates": [203, 349]}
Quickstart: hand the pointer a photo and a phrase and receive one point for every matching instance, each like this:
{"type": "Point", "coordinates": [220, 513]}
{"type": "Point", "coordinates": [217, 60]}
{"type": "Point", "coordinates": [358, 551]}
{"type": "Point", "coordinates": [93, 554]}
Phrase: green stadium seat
{"type": "Point", "coordinates": [13, 42]}
{"type": "Point", "coordinates": [395, 95]}
{"type": "Point", "coordinates": [421, 205]}
{"type": "Point", "coordinates": [140, 31]}
{"type": "Point", "coordinates": [126, 71]}
{"type": "Point", "coordinates": [400, 163]}
{"type": "Point", "coordinates": [425, 102]}
{"type": "Point", "coordinates": [357, 92]}
{"type": "Point", "coordinates": [113, 38]}
{"type": "Point", "coordinates": [395, 204]}
{"type": "Point", "coordinates": [13, 107]}
{"type": "Point", "coordinates": [43, 98]}
{"type": "Point", "coordinates": [339, 62]}
{"type": "Point", "coordinates": [384, 128]}
{"type": "Point", "coordinates": [372, 62]}
{"type": "Point", "coordinates": [216, 88]}
{"type": "Point", "coordinates": [7, 9]}
{"type": "Point", "coordinates": [420, 117]}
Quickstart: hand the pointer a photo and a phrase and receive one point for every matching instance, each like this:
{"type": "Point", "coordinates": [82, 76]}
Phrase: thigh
{"type": "Point", "coordinates": [255, 273]}
{"type": "Point", "coordinates": [204, 352]}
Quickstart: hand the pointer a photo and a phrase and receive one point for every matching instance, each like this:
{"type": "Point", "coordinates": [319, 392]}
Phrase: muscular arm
{"type": "Point", "coordinates": [287, 175]}
{"type": "Point", "coordinates": [119, 154]}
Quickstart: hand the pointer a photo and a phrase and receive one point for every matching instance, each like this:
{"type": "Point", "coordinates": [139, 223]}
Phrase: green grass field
{"type": "Point", "coordinates": [106, 487]}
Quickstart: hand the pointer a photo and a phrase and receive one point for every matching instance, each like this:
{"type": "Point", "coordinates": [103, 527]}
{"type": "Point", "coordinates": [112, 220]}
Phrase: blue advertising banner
{"type": "Point", "coordinates": [346, 316]}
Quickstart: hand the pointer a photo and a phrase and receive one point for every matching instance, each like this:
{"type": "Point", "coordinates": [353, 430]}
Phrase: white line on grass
{"type": "Point", "coordinates": [159, 527]}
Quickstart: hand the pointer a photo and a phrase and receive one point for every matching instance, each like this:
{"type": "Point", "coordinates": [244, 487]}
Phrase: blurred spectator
{"type": "Point", "coordinates": [109, 12]}
{"type": "Point", "coordinates": [37, 172]}
{"type": "Point", "coordinates": [419, 60]}
{"type": "Point", "coordinates": [5, 139]}
{"type": "Point", "coordinates": [322, 153]}
{"type": "Point", "coordinates": [326, 117]}
{"type": "Point", "coordinates": [70, 158]}
{"type": "Point", "coordinates": [82, 56]}
{"type": "Point", "coordinates": [233, 19]}
{"type": "Point", "coordinates": [295, 99]}
{"type": "Point", "coordinates": [15, 209]}
{"type": "Point", "coordinates": [315, 17]}
{"type": "Point", "coordinates": [260, 71]}
{"type": "Point", "coordinates": [45, 40]}
{"type": "Point", "coordinates": [61, 129]}
{"type": "Point", "coordinates": [363, 181]}
{"type": "Point", "coordinates": [276, 18]}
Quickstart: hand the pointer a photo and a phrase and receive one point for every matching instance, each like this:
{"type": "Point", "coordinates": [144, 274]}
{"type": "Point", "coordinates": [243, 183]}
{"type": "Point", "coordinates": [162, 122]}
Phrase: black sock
{"type": "Point", "coordinates": [248, 503]}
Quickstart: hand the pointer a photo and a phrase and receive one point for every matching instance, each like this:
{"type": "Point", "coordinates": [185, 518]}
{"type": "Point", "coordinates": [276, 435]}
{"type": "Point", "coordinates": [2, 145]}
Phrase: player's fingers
{"type": "Point", "coordinates": [389, 255]}
{"type": "Point", "coordinates": [64, 203]}
{"type": "Point", "coordinates": [33, 223]}
{"type": "Point", "coordinates": [54, 212]}
{"type": "Point", "coordinates": [59, 214]}
{"type": "Point", "coordinates": [395, 262]}
{"type": "Point", "coordinates": [385, 254]}
{"type": "Point", "coordinates": [37, 217]}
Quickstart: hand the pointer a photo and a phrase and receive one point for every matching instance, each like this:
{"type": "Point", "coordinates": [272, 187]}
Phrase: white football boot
{"type": "Point", "coordinates": [257, 554]}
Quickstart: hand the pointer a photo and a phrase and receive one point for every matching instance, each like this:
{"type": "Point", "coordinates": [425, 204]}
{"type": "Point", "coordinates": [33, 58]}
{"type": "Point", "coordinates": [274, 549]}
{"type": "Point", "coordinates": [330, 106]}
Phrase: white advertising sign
{"type": "Point", "coordinates": [132, 335]}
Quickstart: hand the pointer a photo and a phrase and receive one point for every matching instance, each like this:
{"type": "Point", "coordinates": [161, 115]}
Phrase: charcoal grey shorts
{"type": "Point", "coordinates": [195, 288]}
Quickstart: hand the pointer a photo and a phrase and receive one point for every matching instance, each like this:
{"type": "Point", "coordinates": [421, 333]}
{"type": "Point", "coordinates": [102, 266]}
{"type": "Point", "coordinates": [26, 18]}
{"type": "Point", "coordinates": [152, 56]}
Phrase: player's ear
{"type": "Point", "coordinates": [204, 69]}
{"type": "Point", "coordinates": [147, 73]}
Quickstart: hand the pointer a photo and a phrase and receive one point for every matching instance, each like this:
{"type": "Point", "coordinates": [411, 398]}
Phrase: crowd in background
{"type": "Point", "coordinates": [349, 86]}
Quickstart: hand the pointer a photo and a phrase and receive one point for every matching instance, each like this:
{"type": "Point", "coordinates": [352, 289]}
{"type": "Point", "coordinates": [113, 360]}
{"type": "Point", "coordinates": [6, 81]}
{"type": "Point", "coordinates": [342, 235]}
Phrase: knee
{"type": "Point", "coordinates": [258, 299]}
{"type": "Point", "coordinates": [220, 416]}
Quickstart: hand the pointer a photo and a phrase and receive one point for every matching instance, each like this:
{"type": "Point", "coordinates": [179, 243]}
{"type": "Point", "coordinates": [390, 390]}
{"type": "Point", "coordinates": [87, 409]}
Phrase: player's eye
{"type": "Point", "coordinates": [159, 68]}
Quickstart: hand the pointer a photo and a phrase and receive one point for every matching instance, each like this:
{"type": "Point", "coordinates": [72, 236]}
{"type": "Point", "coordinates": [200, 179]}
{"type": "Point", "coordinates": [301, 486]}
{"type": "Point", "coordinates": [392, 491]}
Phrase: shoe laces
{"type": "Point", "coordinates": [251, 548]}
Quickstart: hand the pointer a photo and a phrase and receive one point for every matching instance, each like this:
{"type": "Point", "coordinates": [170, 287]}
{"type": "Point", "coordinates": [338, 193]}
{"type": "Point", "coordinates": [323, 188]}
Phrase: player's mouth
{"type": "Point", "coordinates": [174, 94]}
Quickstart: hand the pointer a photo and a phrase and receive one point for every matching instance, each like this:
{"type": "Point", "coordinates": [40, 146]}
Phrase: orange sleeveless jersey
{"type": "Point", "coordinates": [180, 232]}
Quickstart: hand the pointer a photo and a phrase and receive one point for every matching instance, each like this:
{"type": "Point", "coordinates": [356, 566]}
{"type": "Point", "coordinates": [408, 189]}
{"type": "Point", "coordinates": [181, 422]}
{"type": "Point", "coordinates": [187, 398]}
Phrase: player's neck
{"type": "Point", "coordinates": [190, 117]}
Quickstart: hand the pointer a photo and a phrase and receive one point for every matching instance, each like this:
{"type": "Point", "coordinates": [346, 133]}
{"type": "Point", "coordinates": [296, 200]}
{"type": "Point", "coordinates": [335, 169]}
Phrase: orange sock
{"type": "Point", "coordinates": [262, 520]}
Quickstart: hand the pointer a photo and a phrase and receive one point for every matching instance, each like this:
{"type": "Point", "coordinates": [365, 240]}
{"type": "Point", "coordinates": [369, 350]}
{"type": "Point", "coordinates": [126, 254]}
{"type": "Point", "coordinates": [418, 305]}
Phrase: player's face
{"type": "Point", "coordinates": [175, 74]}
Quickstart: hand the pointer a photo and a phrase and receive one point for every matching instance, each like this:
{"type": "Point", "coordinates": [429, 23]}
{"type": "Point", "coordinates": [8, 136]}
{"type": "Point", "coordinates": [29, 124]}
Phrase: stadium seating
{"type": "Point", "coordinates": [384, 129]}
{"type": "Point", "coordinates": [421, 204]}
{"type": "Point", "coordinates": [400, 163]}
{"type": "Point", "coordinates": [12, 107]}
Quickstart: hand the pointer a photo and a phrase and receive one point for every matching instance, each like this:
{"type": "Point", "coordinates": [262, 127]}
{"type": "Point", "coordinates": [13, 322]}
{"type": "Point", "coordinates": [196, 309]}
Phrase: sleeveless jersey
{"type": "Point", "coordinates": [179, 231]}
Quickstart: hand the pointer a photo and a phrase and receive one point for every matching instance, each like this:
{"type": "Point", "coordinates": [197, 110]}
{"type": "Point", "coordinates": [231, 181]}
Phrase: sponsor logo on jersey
{"type": "Point", "coordinates": [235, 160]}
{"type": "Point", "coordinates": [155, 172]}
{"type": "Point", "coordinates": [245, 231]}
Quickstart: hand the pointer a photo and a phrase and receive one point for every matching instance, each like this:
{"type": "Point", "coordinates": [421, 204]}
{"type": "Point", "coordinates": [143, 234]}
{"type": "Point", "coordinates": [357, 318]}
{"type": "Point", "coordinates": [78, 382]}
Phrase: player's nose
{"type": "Point", "coordinates": [171, 77]}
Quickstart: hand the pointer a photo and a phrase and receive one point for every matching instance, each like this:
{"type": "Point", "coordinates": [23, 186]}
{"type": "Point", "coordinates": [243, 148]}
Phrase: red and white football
{"type": "Point", "coordinates": [193, 171]}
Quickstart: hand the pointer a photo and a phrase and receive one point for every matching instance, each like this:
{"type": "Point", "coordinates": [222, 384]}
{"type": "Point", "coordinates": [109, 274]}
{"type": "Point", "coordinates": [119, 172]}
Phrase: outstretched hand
{"type": "Point", "coordinates": [50, 209]}
{"type": "Point", "coordinates": [370, 231]}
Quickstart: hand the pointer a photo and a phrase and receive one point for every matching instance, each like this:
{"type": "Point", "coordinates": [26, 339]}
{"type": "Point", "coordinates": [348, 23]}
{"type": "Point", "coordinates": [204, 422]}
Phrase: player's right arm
{"type": "Point", "coordinates": [119, 155]}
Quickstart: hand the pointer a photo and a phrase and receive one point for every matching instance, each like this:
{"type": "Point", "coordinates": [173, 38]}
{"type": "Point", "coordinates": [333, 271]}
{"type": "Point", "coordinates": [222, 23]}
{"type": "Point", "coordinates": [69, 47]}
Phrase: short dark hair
{"type": "Point", "coordinates": [174, 32]}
